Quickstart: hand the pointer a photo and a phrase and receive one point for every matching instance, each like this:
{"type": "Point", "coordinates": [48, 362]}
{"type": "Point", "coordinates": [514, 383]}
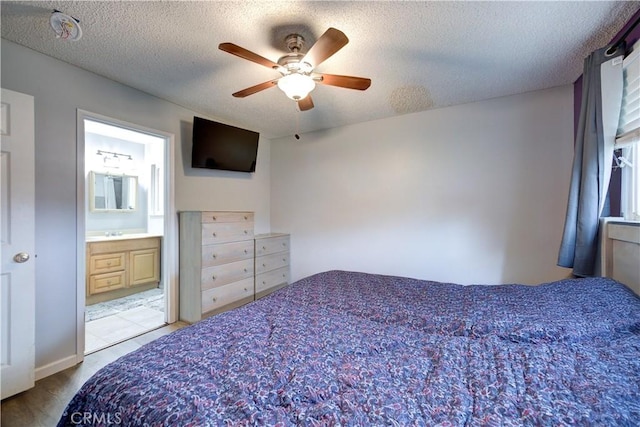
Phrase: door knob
{"type": "Point", "coordinates": [21, 257]}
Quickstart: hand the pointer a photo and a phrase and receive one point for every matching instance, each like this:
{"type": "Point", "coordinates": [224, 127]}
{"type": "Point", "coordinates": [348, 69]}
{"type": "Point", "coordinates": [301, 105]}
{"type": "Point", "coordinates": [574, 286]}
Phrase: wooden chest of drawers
{"type": "Point", "coordinates": [271, 263]}
{"type": "Point", "coordinates": [216, 262]}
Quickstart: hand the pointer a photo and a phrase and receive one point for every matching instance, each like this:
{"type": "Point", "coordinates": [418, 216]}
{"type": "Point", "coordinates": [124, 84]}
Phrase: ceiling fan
{"type": "Point", "coordinates": [298, 78]}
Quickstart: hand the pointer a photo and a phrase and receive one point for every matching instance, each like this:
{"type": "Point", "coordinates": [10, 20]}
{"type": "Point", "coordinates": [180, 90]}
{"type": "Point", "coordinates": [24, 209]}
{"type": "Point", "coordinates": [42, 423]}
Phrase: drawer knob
{"type": "Point", "coordinates": [245, 289]}
{"type": "Point", "coordinates": [264, 282]}
{"type": "Point", "coordinates": [213, 277]}
{"type": "Point", "coordinates": [214, 256]}
{"type": "Point", "coordinates": [246, 251]}
{"type": "Point", "coordinates": [108, 282]}
{"type": "Point", "coordinates": [246, 218]}
{"type": "Point", "coordinates": [214, 299]}
{"type": "Point", "coordinates": [246, 232]}
{"type": "Point", "coordinates": [264, 248]}
{"type": "Point", "coordinates": [264, 265]}
{"type": "Point", "coordinates": [213, 234]}
{"type": "Point", "coordinates": [245, 270]}
{"type": "Point", "coordinates": [214, 218]}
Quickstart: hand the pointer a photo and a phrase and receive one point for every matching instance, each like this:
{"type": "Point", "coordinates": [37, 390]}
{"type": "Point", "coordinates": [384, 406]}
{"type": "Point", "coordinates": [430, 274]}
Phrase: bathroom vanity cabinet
{"type": "Point", "coordinates": [123, 266]}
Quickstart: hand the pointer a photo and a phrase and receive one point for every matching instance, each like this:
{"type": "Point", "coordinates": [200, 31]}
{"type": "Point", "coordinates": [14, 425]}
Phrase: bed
{"type": "Point", "coordinates": [355, 349]}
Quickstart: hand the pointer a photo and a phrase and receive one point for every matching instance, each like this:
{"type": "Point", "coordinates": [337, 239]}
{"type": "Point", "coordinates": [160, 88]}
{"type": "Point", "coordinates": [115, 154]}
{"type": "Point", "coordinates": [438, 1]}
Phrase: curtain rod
{"type": "Point", "coordinates": [622, 38]}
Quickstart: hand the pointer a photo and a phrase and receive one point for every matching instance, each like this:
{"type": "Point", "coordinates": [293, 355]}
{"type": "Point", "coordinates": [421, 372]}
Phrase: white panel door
{"type": "Point", "coordinates": [17, 233]}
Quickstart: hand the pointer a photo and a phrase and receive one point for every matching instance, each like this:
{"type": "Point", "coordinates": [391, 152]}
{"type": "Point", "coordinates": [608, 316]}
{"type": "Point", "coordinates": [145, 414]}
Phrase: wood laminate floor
{"type": "Point", "coordinates": [43, 404]}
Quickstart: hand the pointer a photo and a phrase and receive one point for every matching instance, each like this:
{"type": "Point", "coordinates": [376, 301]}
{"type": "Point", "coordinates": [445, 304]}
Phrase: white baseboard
{"type": "Point", "coordinates": [55, 367]}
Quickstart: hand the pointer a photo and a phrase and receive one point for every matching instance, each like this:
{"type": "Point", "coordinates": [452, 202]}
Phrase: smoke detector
{"type": "Point", "coordinates": [66, 27]}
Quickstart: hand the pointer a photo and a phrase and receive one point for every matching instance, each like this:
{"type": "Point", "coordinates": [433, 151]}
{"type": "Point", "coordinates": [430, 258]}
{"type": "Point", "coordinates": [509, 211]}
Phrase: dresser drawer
{"type": "Point", "coordinates": [221, 275]}
{"type": "Point", "coordinates": [273, 278]}
{"type": "Point", "coordinates": [219, 297]}
{"type": "Point", "coordinates": [217, 262]}
{"type": "Point", "coordinates": [216, 217]}
{"type": "Point", "coordinates": [272, 245]}
{"type": "Point", "coordinates": [271, 262]}
{"type": "Point", "coordinates": [226, 252]}
{"type": "Point", "coordinates": [225, 232]}
{"type": "Point", "coordinates": [106, 282]}
{"type": "Point", "coordinates": [106, 263]}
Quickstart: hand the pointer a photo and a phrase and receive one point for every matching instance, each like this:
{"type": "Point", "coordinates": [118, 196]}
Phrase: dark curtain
{"type": "Point", "coordinates": [595, 136]}
{"type": "Point", "coordinates": [117, 186]}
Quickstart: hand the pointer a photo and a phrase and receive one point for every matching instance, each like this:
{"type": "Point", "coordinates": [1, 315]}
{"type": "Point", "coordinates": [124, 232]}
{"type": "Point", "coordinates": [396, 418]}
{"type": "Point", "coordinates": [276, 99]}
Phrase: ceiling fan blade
{"type": "Point", "coordinates": [246, 54]}
{"type": "Point", "coordinates": [349, 82]}
{"type": "Point", "coordinates": [305, 103]}
{"type": "Point", "coordinates": [329, 43]}
{"type": "Point", "coordinates": [254, 89]}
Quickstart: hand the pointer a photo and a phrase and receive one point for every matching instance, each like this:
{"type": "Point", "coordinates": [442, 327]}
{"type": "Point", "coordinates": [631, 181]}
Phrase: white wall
{"type": "Point", "coordinates": [474, 193]}
{"type": "Point", "coordinates": [59, 89]}
{"type": "Point", "coordinates": [469, 194]}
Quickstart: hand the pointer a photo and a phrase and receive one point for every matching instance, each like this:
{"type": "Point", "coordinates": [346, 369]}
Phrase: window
{"type": "Point", "coordinates": [630, 202]}
{"type": "Point", "coordinates": [628, 139]}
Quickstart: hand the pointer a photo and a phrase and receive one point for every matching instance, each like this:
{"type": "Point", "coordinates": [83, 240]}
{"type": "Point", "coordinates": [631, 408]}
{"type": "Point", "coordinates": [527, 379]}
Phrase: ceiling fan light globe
{"type": "Point", "coordinates": [296, 86]}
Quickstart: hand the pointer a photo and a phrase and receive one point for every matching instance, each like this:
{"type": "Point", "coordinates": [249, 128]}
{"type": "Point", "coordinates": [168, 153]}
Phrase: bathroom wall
{"type": "Point", "coordinates": [127, 220]}
{"type": "Point", "coordinates": [154, 156]}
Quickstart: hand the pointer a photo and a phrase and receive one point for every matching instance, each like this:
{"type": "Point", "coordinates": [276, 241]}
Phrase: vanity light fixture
{"type": "Point", "coordinates": [114, 154]}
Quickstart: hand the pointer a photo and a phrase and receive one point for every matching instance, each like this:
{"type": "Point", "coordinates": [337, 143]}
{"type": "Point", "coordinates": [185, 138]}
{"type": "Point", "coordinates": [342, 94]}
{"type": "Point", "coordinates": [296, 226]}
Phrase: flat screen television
{"type": "Point", "coordinates": [224, 147]}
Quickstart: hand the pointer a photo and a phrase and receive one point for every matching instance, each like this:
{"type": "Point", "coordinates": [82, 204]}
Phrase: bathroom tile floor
{"type": "Point", "coordinates": [104, 332]}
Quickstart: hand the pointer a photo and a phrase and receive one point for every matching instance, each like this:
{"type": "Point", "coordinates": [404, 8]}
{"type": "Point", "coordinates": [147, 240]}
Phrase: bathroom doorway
{"type": "Point", "coordinates": [127, 231]}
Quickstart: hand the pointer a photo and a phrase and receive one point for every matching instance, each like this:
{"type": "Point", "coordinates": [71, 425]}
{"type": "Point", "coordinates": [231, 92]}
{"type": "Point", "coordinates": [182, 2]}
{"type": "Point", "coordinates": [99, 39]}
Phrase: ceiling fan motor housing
{"type": "Point", "coordinates": [292, 62]}
{"type": "Point", "coordinates": [294, 42]}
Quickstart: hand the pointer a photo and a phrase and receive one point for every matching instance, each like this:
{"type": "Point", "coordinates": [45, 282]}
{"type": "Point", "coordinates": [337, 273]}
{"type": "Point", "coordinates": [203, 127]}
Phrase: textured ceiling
{"type": "Point", "coordinates": [419, 55]}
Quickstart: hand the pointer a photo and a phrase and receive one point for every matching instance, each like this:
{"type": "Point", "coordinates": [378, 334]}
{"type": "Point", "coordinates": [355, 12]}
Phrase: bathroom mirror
{"type": "Point", "coordinates": [112, 192]}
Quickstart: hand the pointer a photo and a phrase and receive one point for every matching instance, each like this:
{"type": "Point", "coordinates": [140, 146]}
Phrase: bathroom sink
{"type": "Point", "coordinates": [102, 238]}
{"type": "Point", "coordinates": [96, 238]}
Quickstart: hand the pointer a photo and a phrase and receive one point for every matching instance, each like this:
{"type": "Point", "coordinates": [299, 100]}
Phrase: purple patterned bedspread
{"type": "Point", "coordinates": [354, 349]}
